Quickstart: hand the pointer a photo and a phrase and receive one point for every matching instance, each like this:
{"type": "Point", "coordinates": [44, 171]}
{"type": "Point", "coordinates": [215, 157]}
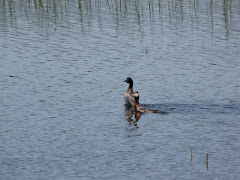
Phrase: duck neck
{"type": "Point", "coordinates": [130, 90]}
{"type": "Point", "coordinates": [130, 85]}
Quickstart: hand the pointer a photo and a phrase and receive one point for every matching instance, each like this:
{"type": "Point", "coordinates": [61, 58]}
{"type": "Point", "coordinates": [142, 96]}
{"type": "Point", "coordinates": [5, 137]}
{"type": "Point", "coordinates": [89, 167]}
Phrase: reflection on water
{"type": "Point", "coordinates": [133, 116]}
{"type": "Point", "coordinates": [129, 113]}
{"type": "Point", "coordinates": [124, 13]}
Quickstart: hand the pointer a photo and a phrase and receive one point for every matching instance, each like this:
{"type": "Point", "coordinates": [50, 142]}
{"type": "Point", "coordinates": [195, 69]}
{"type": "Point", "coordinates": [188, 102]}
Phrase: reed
{"type": "Point", "coordinates": [121, 9]}
{"type": "Point", "coordinates": [207, 160]}
{"type": "Point", "coordinates": [191, 154]}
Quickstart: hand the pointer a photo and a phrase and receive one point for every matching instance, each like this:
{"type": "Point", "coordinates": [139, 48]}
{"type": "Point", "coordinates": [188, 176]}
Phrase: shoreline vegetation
{"type": "Point", "coordinates": [134, 12]}
{"type": "Point", "coordinates": [172, 8]}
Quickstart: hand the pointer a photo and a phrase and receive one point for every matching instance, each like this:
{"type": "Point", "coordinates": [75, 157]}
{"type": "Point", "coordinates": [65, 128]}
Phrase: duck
{"type": "Point", "coordinates": [143, 109]}
{"type": "Point", "coordinates": [129, 98]}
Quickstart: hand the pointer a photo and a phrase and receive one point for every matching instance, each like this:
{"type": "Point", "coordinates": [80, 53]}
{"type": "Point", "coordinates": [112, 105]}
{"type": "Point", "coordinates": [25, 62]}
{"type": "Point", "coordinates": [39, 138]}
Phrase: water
{"type": "Point", "coordinates": [62, 110]}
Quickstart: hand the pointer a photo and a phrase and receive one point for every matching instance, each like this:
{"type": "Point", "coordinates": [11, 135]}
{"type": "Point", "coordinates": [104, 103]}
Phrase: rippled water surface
{"type": "Point", "coordinates": [62, 66]}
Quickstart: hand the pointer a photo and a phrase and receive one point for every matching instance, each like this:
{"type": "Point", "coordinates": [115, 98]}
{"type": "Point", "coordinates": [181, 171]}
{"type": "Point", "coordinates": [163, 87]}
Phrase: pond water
{"type": "Point", "coordinates": [62, 67]}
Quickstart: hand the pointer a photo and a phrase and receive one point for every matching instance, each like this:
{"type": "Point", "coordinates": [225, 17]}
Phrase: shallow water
{"type": "Point", "coordinates": [62, 110]}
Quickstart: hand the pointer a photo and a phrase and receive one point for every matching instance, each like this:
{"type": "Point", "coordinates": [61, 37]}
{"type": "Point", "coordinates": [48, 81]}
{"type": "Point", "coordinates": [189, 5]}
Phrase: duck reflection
{"type": "Point", "coordinates": [132, 116]}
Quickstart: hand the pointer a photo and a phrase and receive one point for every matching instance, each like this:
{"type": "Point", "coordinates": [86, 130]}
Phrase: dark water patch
{"type": "Point", "coordinates": [233, 109]}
